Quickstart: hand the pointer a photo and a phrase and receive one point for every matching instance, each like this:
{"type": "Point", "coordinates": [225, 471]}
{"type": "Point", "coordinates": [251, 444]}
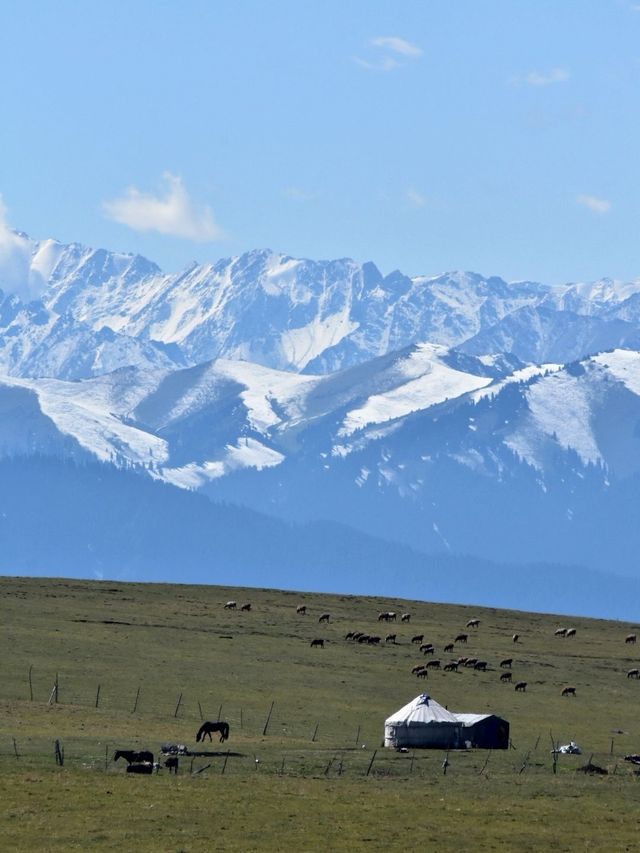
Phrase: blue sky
{"type": "Point", "coordinates": [493, 135]}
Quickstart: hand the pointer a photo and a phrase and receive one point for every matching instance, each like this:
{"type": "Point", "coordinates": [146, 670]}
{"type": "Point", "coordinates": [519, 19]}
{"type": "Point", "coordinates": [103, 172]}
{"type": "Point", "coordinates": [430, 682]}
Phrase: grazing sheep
{"type": "Point", "coordinates": [424, 673]}
{"type": "Point", "coordinates": [521, 686]}
{"type": "Point", "coordinates": [569, 691]}
{"type": "Point", "coordinates": [448, 647]}
{"type": "Point", "coordinates": [472, 623]}
{"type": "Point", "coordinates": [481, 665]}
{"type": "Point", "coordinates": [417, 669]}
{"type": "Point", "coordinates": [461, 638]}
{"type": "Point", "coordinates": [427, 648]}
{"type": "Point", "coordinates": [433, 664]}
{"type": "Point", "coordinates": [349, 635]}
{"type": "Point", "coordinates": [561, 632]}
{"type": "Point", "coordinates": [373, 641]}
{"type": "Point", "coordinates": [471, 661]}
{"type": "Point", "coordinates": [506, 676]}
{"type": "Point", "coordinates": [515, 638]}
{"type": "Point", "coordinates": [571, 632]}
{"type": "Point", "coordinates": [301, 609]}
{"type": "Point", "coordinates": [633, 673]}
{"type": "Point", "coordinates": [462, 661]}
{"type": "Point", "coordinates": [506, 663]}
{"type": "Point", "coordinates": [317, 644]}
{"type": "Point", "coordinates": [324, 617]}
{"type": "Point", "coordinates": [390, 638]}
{"type": "Point", "coordinates": [406, 617]}
{"type": "Point", "coordinates": [451, 667]}
{"type": "Point", "coordinates": [363, 638]}
{"type": "Point", "coordinates": [417, 639]}
{"type": "Point", "coordinates": [246, 607]}
{"type": "Point", "coordinates": [630, 638]}
{"type": "Point", "coordinates": [230, 605]}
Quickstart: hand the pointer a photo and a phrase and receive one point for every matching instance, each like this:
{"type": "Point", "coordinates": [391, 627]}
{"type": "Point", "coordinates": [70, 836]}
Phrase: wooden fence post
{"type": "Point", "coordinates": [15, 748]}
{"type": "Point", "coordinates": [135, 704]}
{"type": "Point", "coordinates": [98, 696]}
{"type": "Point", "coordinates": [266, 725]}
{"type": "Point", "coordinates": [30, 683]}
{"type": "Point", "coordinates": [175, 713]}
{"type": "Point", "coordinates": [373, 758]}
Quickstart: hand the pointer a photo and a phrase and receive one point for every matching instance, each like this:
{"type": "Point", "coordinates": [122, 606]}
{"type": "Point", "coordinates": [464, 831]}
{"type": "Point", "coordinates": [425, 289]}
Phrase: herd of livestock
{"type": "Point", "coordinates": [142, 762]}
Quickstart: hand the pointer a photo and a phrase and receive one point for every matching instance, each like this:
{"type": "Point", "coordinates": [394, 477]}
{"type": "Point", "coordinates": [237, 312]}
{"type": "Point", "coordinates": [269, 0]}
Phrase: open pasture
{"type": "Point", "coordinates": [139, 665]}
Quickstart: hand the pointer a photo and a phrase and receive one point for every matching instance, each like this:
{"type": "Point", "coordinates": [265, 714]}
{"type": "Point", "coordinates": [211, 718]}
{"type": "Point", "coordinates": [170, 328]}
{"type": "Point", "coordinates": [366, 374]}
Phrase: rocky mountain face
{"type": "Point", "coordinates": [315, 317]}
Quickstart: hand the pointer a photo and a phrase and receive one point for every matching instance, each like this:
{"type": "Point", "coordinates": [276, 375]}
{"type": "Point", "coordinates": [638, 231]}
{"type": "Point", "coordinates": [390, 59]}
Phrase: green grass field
{"type": "Point", "coordinates": [287, 788]}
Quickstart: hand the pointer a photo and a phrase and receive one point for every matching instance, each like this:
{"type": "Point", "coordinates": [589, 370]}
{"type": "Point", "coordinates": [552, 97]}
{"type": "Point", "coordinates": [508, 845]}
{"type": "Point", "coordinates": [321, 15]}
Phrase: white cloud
{"type": "Point", "coordinates": [537, 78]}
{"type": "Point", "coordinates": [415, 198]}
{"type": "Point", "coordinates": [397, 45]}
{"type": "Point", "coordinates": [594, 204]}
{"type": "Point", "coordinates": [172, 212]}
{"type": "Point", "coordinates": [388, 48]}
{"type": "Point", "coordinates": [16, 275]}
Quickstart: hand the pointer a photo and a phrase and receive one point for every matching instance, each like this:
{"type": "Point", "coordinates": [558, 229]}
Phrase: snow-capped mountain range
{"type": "Point", "coordinates": [452, 413]}
{"type": "Point", "coordinates": [315, 317]}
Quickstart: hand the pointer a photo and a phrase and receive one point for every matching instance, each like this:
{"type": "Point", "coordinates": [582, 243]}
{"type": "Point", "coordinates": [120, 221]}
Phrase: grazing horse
{"type": "Point", "coordinates": [506, 676]}
{"type": "Point", "coordinates": [521, 686]}
{"type": "Point", "coordinates": [630, 638]}
{"type": "Point", "coordinates": [633, 673]}
{"type": "Point", "coordinates": [317, 643]}
{"type": "Point", "coordinates": [324, 617]}
{"type": "Point", "coordinates": [506, 663]}
{"type": "Point", "coordinates": [230, 605]}
{"type": "Point", "coordinates": [208, 727]}
{"type": "Point", "coordinates": [301, 609]}
{"type": "Point", "coordinates": [472, 623]}
{"type": "Point", "coordinates": [569, 691]}
{"type": "Point", "coordinates": [133, 757]}
{"type": "Point", "coordinates": [406, 617]}
{"type": "Point", "coordinates": [461, 638]}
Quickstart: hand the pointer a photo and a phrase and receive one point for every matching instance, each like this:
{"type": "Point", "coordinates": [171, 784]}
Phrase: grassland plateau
{"type": "Point", "coordinates": [139, 665]}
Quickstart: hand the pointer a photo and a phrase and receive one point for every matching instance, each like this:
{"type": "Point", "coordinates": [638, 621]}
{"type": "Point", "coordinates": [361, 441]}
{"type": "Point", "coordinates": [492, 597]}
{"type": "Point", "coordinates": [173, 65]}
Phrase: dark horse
{"type": "Point", "coordinates": [132, 756]}
{"type": "Point", "coordinates": [208, 727]}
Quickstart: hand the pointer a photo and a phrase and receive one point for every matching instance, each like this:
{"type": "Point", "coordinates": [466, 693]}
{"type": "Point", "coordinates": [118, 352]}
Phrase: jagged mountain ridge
{"type": "Point", "coordinates": [289, 314]}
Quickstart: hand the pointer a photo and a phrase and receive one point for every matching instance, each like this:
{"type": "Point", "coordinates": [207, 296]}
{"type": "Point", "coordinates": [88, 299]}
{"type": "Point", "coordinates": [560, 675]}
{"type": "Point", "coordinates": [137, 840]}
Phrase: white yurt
{"type": "Point", "coordinates": [423, 723]}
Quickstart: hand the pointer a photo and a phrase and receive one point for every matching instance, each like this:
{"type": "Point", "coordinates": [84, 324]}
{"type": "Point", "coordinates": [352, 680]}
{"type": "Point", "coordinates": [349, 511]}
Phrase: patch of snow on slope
{"type": "Point", "coordinates": [302, 345]}
{"type": "Point", "coordinates": [247, 453]}
{"type": "Point", "coordinates": [624, 365]}
{"type": "Point", "coordinates": [561, 405]}
{"type": "Point", "coordinates": [98, 431]}
{"type": "Point", "coordinates": [522, 375]}
{"type": "Point", "coordinates": [435, 383]}
{"type": "Point", "coordinates": [265, 387]}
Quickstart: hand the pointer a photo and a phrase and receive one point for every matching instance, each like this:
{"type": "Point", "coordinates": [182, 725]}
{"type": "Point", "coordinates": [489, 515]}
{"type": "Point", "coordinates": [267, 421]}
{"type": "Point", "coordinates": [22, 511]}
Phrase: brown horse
{"type": "Point", "coordinates": [132, 756]}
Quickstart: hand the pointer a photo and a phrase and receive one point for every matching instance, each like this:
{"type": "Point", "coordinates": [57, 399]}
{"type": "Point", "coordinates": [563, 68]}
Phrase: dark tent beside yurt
{"type": "Point", "coordinates": [484, 731]}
